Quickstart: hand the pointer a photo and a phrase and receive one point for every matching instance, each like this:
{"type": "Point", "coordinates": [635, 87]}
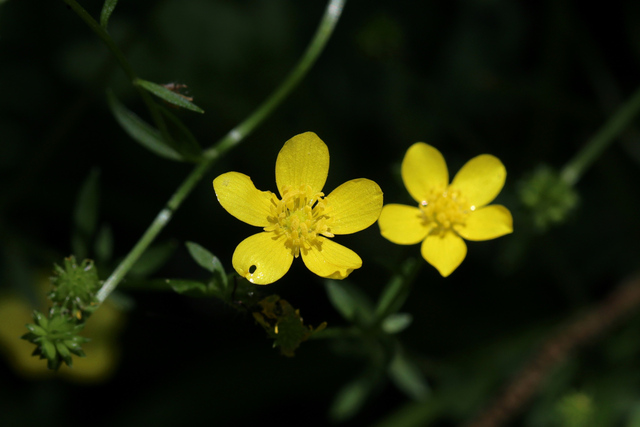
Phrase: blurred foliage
{"type": "Point", "coordinates": [528, 82]}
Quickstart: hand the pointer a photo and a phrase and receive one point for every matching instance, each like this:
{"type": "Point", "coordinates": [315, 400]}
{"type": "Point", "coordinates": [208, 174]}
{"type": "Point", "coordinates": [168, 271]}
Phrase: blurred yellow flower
{"type": "Point", "coordinates": [447, 213]}
{"type": "Point", "coordinates": [102, 351]}
{"type": "Point", "coordinates": [303, 219]}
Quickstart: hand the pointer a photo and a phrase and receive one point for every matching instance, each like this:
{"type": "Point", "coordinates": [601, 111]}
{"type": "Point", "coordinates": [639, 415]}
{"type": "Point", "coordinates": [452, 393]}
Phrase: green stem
{"type": "Point", "coordinates": [104, 36]}
{"type": "Point", "coordinates": [397, 290]}
{"type": "Point", "coordinates": [325, 29]}
{"type": "Point", "coordinates": [577, 166]}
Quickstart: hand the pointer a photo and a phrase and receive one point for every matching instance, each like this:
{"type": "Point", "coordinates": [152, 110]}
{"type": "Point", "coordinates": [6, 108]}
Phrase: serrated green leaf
{"type": "Point", "coordinates": [107, 10]}
{"type": "Point", "coordinates": [168, 95]}
{"type": "Point", "coordinates": [153, 258]}
{"type": "Point", "coordinates": [349, 301]}
{"type": "Point", "coordinates": [396, 322]}
{"type": "Point", "coordinates": [85, 213]}
{"type": "Point", "coordinates": [406, 375]}
{"type": "Point", "coordinates": [140, 131]}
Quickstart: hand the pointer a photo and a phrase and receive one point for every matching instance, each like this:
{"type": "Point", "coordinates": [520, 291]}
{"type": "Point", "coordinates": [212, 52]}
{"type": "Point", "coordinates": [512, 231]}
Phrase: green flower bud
{"type": "Point", "coordinates": [56, 337]}
{"type": "Point", "coordinates": [74, 286]}
{"type": "Point", "coordinates": [548, 197]}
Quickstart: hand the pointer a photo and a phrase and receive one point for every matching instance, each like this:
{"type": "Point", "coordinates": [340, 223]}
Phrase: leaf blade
{"type": "Point", "coordinates": [140, 131]}
{"type": "Point", "coordinates": [168, 95]}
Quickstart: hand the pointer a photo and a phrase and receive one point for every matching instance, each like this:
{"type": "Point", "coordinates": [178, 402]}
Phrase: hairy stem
{"type": "Point", "coordinates": [325, 29]}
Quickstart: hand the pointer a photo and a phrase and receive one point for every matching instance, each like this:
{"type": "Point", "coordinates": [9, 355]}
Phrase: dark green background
{"type": "Point", "coordinates": [529, 82]}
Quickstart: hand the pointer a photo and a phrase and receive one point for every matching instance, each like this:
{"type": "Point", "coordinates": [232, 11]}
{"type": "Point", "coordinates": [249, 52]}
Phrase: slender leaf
{"type": "Point", "coordinates": [103, 245]}
{"type": "Point", "coordinates": [353, 396]}
{"type": "Point", "coordinates": [185, 142]}
{"type": "Point", "coordinates": [153, 258]}
{"type": "Point", "coordinates": [168, 95]}
{"type": "Point", "coordinates": [203, 257]}
{"type": "Point", "coordinates": [141, 132]}
{"type": "Point", "coordinates": [85, 214]}
{"type": "Point", "coordinates": [350, 302]}
{"type": "Point", "coordinates": [397, 289]}
{"type": "Point", "coordinates": [190, 288]}
{"type": "Point", "coordinates": [408, 377]}
{"type": "Point", "coordinates": [396, 322]}
{"type": "Point", "coordinates": [107, 10]}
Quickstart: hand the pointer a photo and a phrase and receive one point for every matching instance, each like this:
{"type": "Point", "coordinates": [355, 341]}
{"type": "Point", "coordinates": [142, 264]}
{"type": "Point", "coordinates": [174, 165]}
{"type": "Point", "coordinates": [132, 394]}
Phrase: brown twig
{"type": "Point", "coordinates": [557, 349]}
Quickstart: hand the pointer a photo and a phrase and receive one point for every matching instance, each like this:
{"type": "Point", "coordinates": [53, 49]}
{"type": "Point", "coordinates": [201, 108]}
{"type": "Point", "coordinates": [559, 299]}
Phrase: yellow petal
{"type": "Point", "coordinates": [486, 223]}
{"type": "Point", "coordinates": [444, 251]}
{"type": "Point", "coordinates": [304, 160]}
{"type": "Point", "coordinates": [354, 206]}
{"type": "Point", "coordinates": [402, 224]}
{"type": "Point", "coordinates": [480, 180]}
{"type": "Point", "coordinates": [424, 170]}
{"type": "Point", "coordinates": [238, 196]}
{"type": "Point", "coordinates": [332, 260]}
{"type": "Point", "coordinates": [262, 259]}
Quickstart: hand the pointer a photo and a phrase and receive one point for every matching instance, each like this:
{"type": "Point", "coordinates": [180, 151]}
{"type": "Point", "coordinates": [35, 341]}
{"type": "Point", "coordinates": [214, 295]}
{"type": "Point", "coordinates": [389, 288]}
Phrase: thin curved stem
{"type": "Point", "coordinates": [230, 140]}
{"type": "Point", "coordinates": [577, 166]}
{"type": "Point", "coordinates": [124, 64]}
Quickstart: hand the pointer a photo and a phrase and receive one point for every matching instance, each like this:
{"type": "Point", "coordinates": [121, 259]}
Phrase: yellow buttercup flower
{"type": "Point", "coordinates": [303, 219]}
{"type": "Point", "coordinates": [447, 213]}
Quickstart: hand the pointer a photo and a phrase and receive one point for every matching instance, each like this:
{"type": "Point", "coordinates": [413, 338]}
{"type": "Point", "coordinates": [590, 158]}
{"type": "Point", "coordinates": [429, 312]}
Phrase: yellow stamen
{"type": "Point", "coordinates": [301, 216]}
{"type": "Point", "coordinates": [443, 210]}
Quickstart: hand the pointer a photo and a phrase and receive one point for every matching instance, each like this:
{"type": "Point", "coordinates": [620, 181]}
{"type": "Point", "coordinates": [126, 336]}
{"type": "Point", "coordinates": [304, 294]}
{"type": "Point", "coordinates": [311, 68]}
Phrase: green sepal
{"type": "Point", "coordinates": [349, 301]}
{"type": "Point", "coordinates": [41, 319]}
{"type": "Point", "coordinates": [64, 353]}
{"type": "Point", "coordinates": [30, 336]}
{"type": "Point", "coordinates": [168, 95]}
{"type": "Point", "coordinates": [48, 349]}
{"type": "Point", "coordinates": [36, 330]}
{"type": "Point", "coordinates": [107, 10]}
{"type": "Point", "coordinates": [397, 322]}
{"type": "Point", "coordinates": [140, 131]}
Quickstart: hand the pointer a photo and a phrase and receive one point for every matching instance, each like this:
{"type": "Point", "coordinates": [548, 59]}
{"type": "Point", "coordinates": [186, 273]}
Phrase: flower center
{"type": "Point", "coordinates": [301, 216]}
{"type": "Point", "coordinates": [444, 209]}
